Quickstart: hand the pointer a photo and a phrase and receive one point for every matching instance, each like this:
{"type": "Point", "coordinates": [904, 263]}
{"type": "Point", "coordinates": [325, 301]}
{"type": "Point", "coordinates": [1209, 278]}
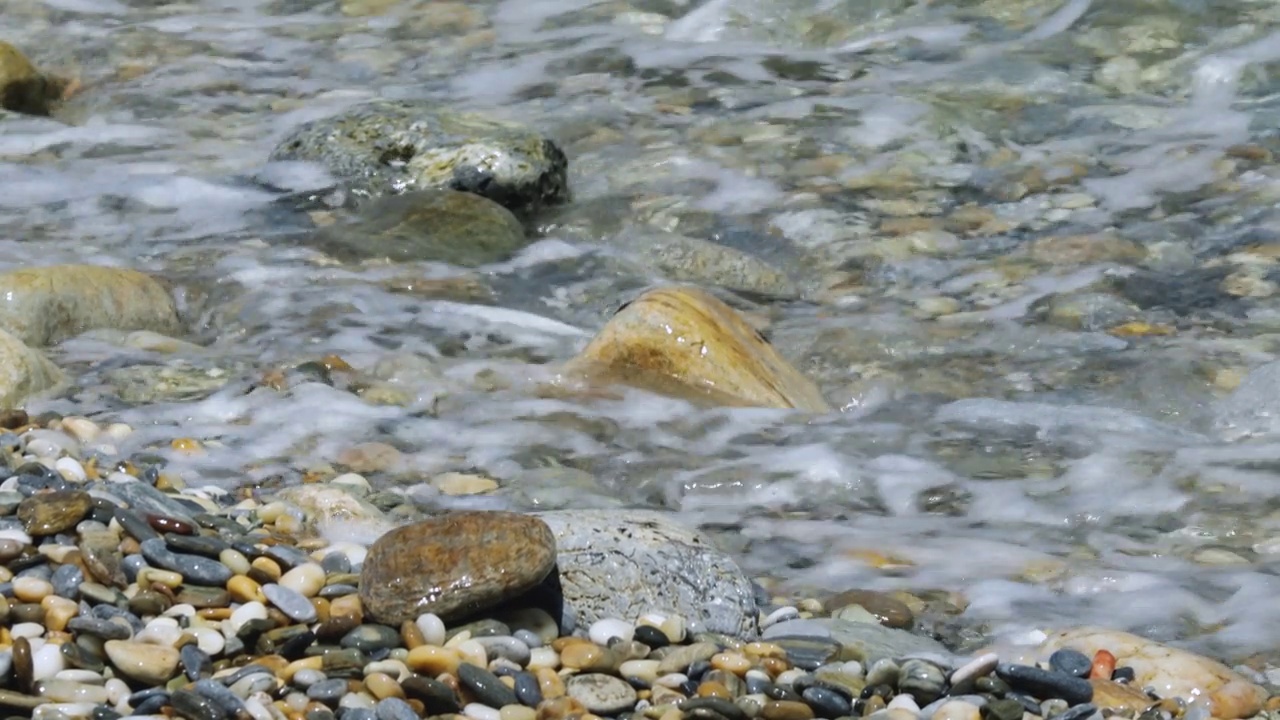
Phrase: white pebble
{"type": "Point", "coordinates": [253, 610]}
{"type": "Point", "coordinates": [782, 614]}
{"type": "Point", "coordinates": [118, 431]}
{"type": "Point", "coordinates": [643, 670]}
{"type": "Point", "coordinates": [432, 628]}
{"type": "Point", "coordinates": [395, 668]}
{"type": "Point", "coordinates": [62, 711]}
{"type": "Point", "coordinates": [543, 657]}
{"type": "Point", "coordinates": [117, 691]}
{"type": "Point", "coordinates": [904, 702]}
{"type": "Point", "coordinates": [787, 677]}
{"type": "Point", "coordinates": [977, 667]}
{"type": "Point", "coordinates": [87, 677]}
{"type": "Point", "coordinates": [160, 631]}
{"type": "Point", "coordinates": [71, 469]}
{"type": "Point", "coordinates": [673, 680]}
{"type": "Point", "coordinates": [47, 661]}
{"type": "Point", "coordinates": [31, 589]}
{"type": "Point", "coordinates": [235, 561]}
{"type": "Point", "coordinates": [209, 641]}
{"type": "Point", "coordinates": [605, 629]}
{"type": "Point", "coordinates": [476, 711]}
{"type": "Point", "coordinates": [256, 709]}
{"type": "Point", "coordinates": [473, 652]}
{"type": "Point", "coordinates": [356, 700]}
{"type": "Point", "coordinates": [355, 553]}
{"type": "Point", "coordinates": [28, 630]}
{"type": "Point", "coordinates": [81, 428]}
{"type": "Point", "coordinates": [186, 610]}
{"type": "Point", "coordinates": [306, 579]}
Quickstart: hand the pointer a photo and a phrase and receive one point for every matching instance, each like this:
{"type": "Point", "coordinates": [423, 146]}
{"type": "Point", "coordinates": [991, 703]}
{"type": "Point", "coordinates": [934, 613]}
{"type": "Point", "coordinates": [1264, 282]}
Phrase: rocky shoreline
{"type": "Point", "coordinates": [125, 596]}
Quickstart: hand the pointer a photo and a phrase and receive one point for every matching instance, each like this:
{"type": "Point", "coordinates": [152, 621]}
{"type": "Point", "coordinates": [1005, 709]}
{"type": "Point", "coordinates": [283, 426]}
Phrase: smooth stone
{"type": "Point", "coordinates": [219, 695]}
{"type": "Point", "coordinates": [448, 226]}
{"type": "Point", "coordinates": [145, 499]}
{"type": "Point", "coordinates": [1045, 683]}
{"type": "Point", "coordinates": [624, 563]}
{"type": "Point", "coordinates": [486, 686]}
{"type": "Point", "coordinates": [105, 629]}
{"type": "Point", "coordinates": [682, 657]}
{"type": "Point", "coordinates": [808, 653]}
{"type": "Point", "coordinates": [601, 694]}
{"type": "Point", "coordinates": [134, 525]}
{"type": "Point", "coordinates": [977, 667]}
{"type": "Point", "coordinates": [53, 512]}
{"type": "Point", "coordinates": [925, 681]}
{"type": "Point", "coordinates": [25, 372]}
{"type": "Point", "coordinates": [1006, 709]}
{"type": "Point", "coordinates": [370, 637]}
{"type": "Point", "coordinates": [193, 706]}
{"type": "Point", "coordinates": [289, 602]}
{"type": "Point", "coordinates": [889, 611]}
{"type": "Point", "coordinates": [511, 165]}
{"type": "Point", "coordinates": [210, 547]}
{"type": "Point", "coordinates": [66, 581]}
{"type": "Point", "coordinates": [1070, 662]}
{"type": "Point", "coordinates": [393, 708]}
{"type": "Point", "coordinates": [528, 690]}
{"type": "Point", "coordinates": [711, 708]}
{"type": "Point", "coordinates": [826, 702]}
{"type": "Point", "coordinates": [193, 568]}
{"type": "Point", "coordinates": [48, 304]}
{"type": "Point", "coordinates": [684, 342]}
{"type": "Point", "coordinates": [195, 662]}
{"type": "Point", "coordinates": [144, 663]}
{"type": "Point", "coordinates": [455, 564]}
{"type": "Point", "coordinates": [506, 647]}
{"type": "Point", "coordinates": [864, 642]}
{"type": "Point", "coordinates": [786, 710]}
{"type": "Point", "coordinates": [328, 691]}
{"type": "Point", "coordinates": [437, 698]}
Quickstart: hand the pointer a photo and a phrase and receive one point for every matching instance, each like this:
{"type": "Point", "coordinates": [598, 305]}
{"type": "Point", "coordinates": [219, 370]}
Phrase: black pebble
{"type": "Point", "coordinates": [1005, 709]}
{"type": "Point", "coordinates": [716, 705]}
{"type": "Point", "coordinates": [1071, 662]}
{"type": "Point", "coordinates": [1045, 683]}
{"type": "Point", "coordinates": [1123, 675]}
{"type": "Point", "coordinates": [436, 697]}
{"type": "Point", "coordinates": [1079, 712]}
{"type": "Point", "coordinates": [651, 636]}
{"type": "Point", "coordinates": [487, 687]}
{"type": "Point", "coordinates": [827, 703]}
{"type": "Point", "coordinates": [698, 669]}
{"type": "Point", "coordinates": [190, 705]}
{"type": "Point", "coordinates": [102, 712]}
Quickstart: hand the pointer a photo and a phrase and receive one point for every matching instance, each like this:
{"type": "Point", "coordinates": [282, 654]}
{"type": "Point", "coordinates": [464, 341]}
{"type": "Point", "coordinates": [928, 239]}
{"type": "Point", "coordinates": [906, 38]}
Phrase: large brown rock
{"type": "Point", "coordinates": [684, 342]}
{"type": "Point", "coordinates": [24, 372]}
{"type": "Point", "coordinates": [454, 565]}
{"type": "Point", "coordinates": [46, 305]}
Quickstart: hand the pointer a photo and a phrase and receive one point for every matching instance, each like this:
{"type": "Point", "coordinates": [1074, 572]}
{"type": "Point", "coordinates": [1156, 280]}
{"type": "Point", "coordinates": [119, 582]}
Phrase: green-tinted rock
{"type": "Point", "coordinates": [393, 146]}
{"type": "Point", "coordinates": [24, 372]}
{"type": "Point", "coordinates": [48, 304]}
{"type": "Point", "coordinates": [687, 259]}
{"type": "Point", "coordinates": [23, 88]}
{"type": "Point", "coordinates": [429, 225]}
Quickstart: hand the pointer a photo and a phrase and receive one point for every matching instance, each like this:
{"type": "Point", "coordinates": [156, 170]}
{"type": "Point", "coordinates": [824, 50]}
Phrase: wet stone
{"type": "Point", "coordinates": [710, 707]}
{"type": "Point", "coordinates": [135, 525]}
{"type": "Point", "coordinates": [328, 691]}
{"type": "Point", "coordinates": [808, 653]}
{"type": "Point", "coordinates": [1079, 712]}
{"type": "Point", "coordinates": [336, 563]}
{"type": "Point", "coordinates": [193, 568]}
{"type": "Point", "coordinates": [528, 690]}
{"type": "Point", "coordinates": [1004, 709]}
{"type": "Point", "coordinates": [23, 667]}
{"type": "Point", "coordinates": [925, 681]}
{"type": "Point", "coordinates": [196, 544]}
{"type": "Point", "coordinates": [77, 656]}
{"type": "Point", "coordinates": [1046, 683]}
{"type": "Point", "coordinates": [192, 706]}
{"type": "Point", "coordinates": [826, 702]}
{"type": "Point", "coordinates": [393, 708]}
{"type": "Point", "coordinates": [145, 500]}
{"type": "Point", "coordinates": [203, 597]}
{"type": "Point", "coordinates": [105, 629]}
{"type": "Point", "coordinates": [218, 693]}
{"type": "Point", "coordinates": [486, 686]}
{"type": "Point", "coordinates": [195, 662]}
{"type": "Point", "coordinates": [288, 557]}
{"type": "Point", "coordinates": [601, 694]}
{"type": "Point", "coordinates": [507, 647]}
{"type": "Point", "coordinates": [368, 638]}
{"type": "Point", "coordinates": [651, 636]}
{"type": "Point", "coordinates": [1070, 662]}
{"type": "Point", "coordinates": [66, 581]}
{"type": "Point", "coordinates": [438, 698]}
{"type": "Point", "coordinates": [53, 512]}
{"type": "Point", "coordinates": [455, 564]}
{"type": "Point", "coordinates": [290, 602]}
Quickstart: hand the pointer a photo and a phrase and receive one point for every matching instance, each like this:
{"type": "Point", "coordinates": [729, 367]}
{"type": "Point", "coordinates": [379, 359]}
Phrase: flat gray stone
{"type": "Point", "coordinates": [864, 642]}
{"type": "Point", "coordinates": [623, 563]}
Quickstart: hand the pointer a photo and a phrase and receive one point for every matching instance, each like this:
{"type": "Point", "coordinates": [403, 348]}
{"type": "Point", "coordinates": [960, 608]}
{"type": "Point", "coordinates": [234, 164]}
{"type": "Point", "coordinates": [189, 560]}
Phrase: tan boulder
{"type": "Point", "coordinates": [46, 305]}
{"type": "Point", "coordinates": [24, 372]}
{"type": "Point", "coordinates": [684, 342]}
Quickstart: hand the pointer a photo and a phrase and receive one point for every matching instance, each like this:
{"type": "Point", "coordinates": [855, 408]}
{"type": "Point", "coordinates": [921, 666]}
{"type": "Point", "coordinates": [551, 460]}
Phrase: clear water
{"type": "Point", "coordinates": [1079, 476]}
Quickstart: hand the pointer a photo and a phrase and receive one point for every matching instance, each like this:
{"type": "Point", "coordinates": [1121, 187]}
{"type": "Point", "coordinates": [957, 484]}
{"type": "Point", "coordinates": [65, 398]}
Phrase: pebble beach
{"type": "Point", "coordinates": [648, 360]}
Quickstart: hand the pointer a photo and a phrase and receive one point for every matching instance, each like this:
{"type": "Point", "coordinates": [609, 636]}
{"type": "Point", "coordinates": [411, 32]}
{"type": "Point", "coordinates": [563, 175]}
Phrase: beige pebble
{"type": "Point", "coordinates": [643, 670]}
{"type": "Point", "coordinates": [245, 589]}
{"type": "Point", "coordinates": [473, 652]}
{"type": "Point", "coordinates": [550, 683]}
{"type": "Point", "coordinates": [543, 657]}
{"type": "Point", "coordinates": [588, 657]}
{"type": "Point", "coordinates": [432, 661]}
{"type": "Point", "coordinates": [731, 662]}
{"type": "Point", "coordinates": [31, 589]}
{"type": "Point", "coordinates": [266, 568]}
{"type": "Point", "coordinates": [167, 578]}
{"type": "Point", "coordinates": [347, 605]}
{"type": "Point", "coordinates": [306, 579]}
{"type": "Point", "coordinates": [957, 710]}
{"type": "Point", "coordinates": [307, 663]}
{"type": "Point", "coordinates": [517, 712]}
{"type": "Point", "coordinates": [454, 483]}
{"type": "Point", "coordinates": [380, 685]}
{"type": "Point", "coordinates": [58, 611]}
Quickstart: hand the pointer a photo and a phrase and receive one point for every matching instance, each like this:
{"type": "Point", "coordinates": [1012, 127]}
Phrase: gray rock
{"type": "Point", "coordinates": [622, 563]}
{"type": "Point", "coordinates": [601, 694]}
{"type": "Point", "coordinates": [1253, 408]}
{"type": "Point", "coordinates": [430, 225]}
{"type": "Point", "coordinates": [290, 602]}
{"type": "Point", "coordinates": [194, 569]}
{"type": "Point", "coordinates": [393, 146]}
{"type": "Point", "coordinates": [864, 642]}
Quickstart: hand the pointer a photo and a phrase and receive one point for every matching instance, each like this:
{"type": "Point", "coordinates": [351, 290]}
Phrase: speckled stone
{"type": "Point", "coordinates": [623, 563]}
{"type": "Point", "coordinates": [455, 564]}
{"type": "Point", "coordinates": [601, 694]}
{"type": "Point", "coordinates": [53, 512]}
{"type": "Point", "coordinates": [392, 146]}
{"type": "Point", "coordinates": [45, 305]}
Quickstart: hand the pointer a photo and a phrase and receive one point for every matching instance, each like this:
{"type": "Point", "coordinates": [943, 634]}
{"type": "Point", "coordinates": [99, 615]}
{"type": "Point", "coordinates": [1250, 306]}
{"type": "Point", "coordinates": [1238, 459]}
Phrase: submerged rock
{"type": "Point", "coordinates": [431, 225]}
{"type": "Point", "coordinates": [623, 563]}
{"type": "Point", "coordinates": [1253, 408]}
{"type": "Point", "coordinates": [682, 341]}
{"type": "Point", "coordinates": [393, 146]}
{"type": "Point", "coordinates": [24, 372]}
{"type": "Point", "coordinates": [46, 305]}
{"type": "Point", "coordinates": [688, 259]}
{"type": "Point", "coordinates": [1171, 672]}
{"type": "Point", "coordinates": [23, 88]}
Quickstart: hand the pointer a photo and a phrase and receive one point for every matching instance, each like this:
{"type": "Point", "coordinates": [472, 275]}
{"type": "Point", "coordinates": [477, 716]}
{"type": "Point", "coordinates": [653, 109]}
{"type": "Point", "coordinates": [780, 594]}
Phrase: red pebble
{"type": "Point", "coordinates": [1104, 663]}
{"type": "Point", "coordinates": [164, 524]}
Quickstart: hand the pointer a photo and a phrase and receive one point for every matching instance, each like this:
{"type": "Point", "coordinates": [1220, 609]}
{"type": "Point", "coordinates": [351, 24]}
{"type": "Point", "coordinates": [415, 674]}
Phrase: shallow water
{"type": "Point", "coordinates": [912, 166]}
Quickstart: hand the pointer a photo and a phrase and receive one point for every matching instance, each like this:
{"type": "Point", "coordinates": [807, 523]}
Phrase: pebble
{"type": "Point", "coordinates": [1070, 662]}
{"type": "Point", "coordinates": [601, 694]}
{"type": "Point", "coordinates": [193, 568]}
{"type": "Point", "coordinates": [1046, 683]}
{"type": "Point", "coordinates": [457, 563]}
{"type": "Point", "coordinates": [487, 687]}
{"type": "Point", "coordinates": [290, 602]}
{"type": "Point", "coordinates": [148, 664]}
{"type": "Point", "coordinates": [53, 512]}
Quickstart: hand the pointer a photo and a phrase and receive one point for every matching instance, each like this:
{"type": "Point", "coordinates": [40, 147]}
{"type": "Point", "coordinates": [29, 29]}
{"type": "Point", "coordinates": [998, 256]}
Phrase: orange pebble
{"type": "Point", "coordinates": [1104, 664]}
